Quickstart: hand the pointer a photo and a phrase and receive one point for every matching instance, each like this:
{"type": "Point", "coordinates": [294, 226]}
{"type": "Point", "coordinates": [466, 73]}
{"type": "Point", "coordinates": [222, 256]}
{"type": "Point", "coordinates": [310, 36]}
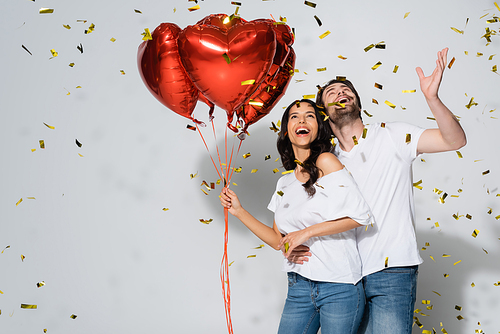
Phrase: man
{"type": "Point", "coordinates": [379, 156]}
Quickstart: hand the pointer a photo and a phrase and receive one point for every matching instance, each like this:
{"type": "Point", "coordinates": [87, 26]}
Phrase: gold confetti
{"type": "Point", "coordinates": [40, 284]}
{"type": "Point", "coordinates": [287, 172]}
{"type": "Point", "coordinates": [341, 105]}
{"type": "Point", "coordinates": [460, 317]}
{"type": "Point", "coordinates": [67, 26]}
{"type": "Point", "coordinates": [7, 247]}
{"type": "Point", "coordinates": [267, 157]}
{"type": "Point", "coordinates": [29, 306]}
{"type": "Point", "coordinates": [71, 64]}
{"type": "Point", "coordinates": [491, 57]}
{"type": "Point", "coordinates": [457, 262]}
{"type": "Point", "coordinates": [479, 54]}
{"type": "Point", "coordinates": [494, 68]}
{"type": "Point", "coordinates": [471, 103]}
{"type": "Point", "coordinates": [408, 138]}
{"type": "Point", "coordinates": [355, 140]}
{"type": "Point", "coordinates": [248, 82]}
{"type": "Point", "coordinates": [446, 275]}
{"type": "Point", "coordinates": [46, 11]}
{"type": "Point", "coordinates": [253, 171]}
{"type": "Point", "coordinates": [54, 53]}
{"type": "Point", "coordinates": [472, 284]}
{"type": "Point", "coordinates": [377, 65]}
{"type": "Point", "coordinates": [73, 316]}
{"type": "Point", "coordinates": [426, 302]}
{"type": "Point", "coordinates": [365, 131]}
{"type": "Point", "coordinates": [497, 283]}
{"type": "Point", "coordinates": [432, 258]}
{"type": "Point", "coordinates": [406, 15]}
{"type": "Point", "coordinates": [279, 192]}
{"type": "Point", "coordinates": [249, 256]}
{"type": "Point", "coordinates": [469, 217]}
{"type": "Point", "coordinates": [369, 47]}
{"type": "Point", "coordinates": [409, 91]}
{"type": "Point", "coordinates": [80, 48]}
{"type": "Point", "coordinates": [322, 69]}
{"type": "Point", "coordinates": [204, 192]}
{"type": "Point", "coordinates": [205, 221]}
{"type": "Point", "coordinates": [309, 96]}
{"type": "Point", "coordinates": [192, 176]}
{"type": "Point", "coordinates": [90, 29]}
{"type": "Point", "coordinates": [275, 129]}
{"type": "Point", "coordinates": [382, 125]}
{"type": "Point", "coordinates": [452, 61]}
{"type": "Point", "coordinates": [287, 246]}
{"type": "Point", "coordinates": [113, 39]}
{"type": "Point", "coordinates": [235, 3]}
{"type": "Point", "coordinates": [396, 67]}
{"type": "Point", "coordinates": [22, 257]}
{"type": "Point", "coordinates": [122, 72]}
{"type": "Point", "coordinates": [436, 224]}
{"type": "Point", "coordinates": [390, 104]}
{"type": "Point", "coordinates": [238, 170]}
{"type": "Point", "coordinates": [323, 35]}
{"type": "Point", "coordinates": [18, 202]}
{"type": "Point", "coordinates": [137, 11]}
{"type": "Point", "coordinates": [146, 35]}
{"type": "Point", "coordinates": [246, 155]}
{"type": "Point", "coordinates": [497, 217]}
{"type": "Point", "coordinates": [379, 86]}
{"type": "Point", "coordinates": [437, 293]}
{"type": "Point", "coordinates": [230, 264]}
{"type": "Point", "coordinates": [165, 209]}
{"type": "Point", "coordinates": [458, 31]}
{"type": "Point", "coordinates": [374, 101]}
{"type": "Point", "coordinates": [256, 103]}
{"type": "Point", "coordinates": [446, 255]}
{"type": "Point", "coordinates": [367, 114]}
{"type": "Point", "coordinates": [486, 172]}
{"type": "Point", "coordinates": [192, 9]}
{"type": "Point", "coordinates": [386, 262]}
{"type": "Point", "coordinates": [485, 251]}
{"type": "Point", "coordinates": [259, 247]}
{"type": "Point", "coordinates": [342, 57]}
{"type": "Point", "coordinates": [318, 20]}
{"type": "Point", "coordinates": [418, 185]}
{"type": "Point", "coordinates": [310, 4]}
{"type": "Point", "coordinates": [475, 233]}
{"type": "Point", "coordinates": [496, 5]}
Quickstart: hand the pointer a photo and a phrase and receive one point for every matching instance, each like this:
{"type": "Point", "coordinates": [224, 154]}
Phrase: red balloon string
{"type": "Point", "coordinates": [206, 146]}
{"type": "Point", "coordinates": [224, 268]}
{"type": "Point", "coordinates": [224, 277]}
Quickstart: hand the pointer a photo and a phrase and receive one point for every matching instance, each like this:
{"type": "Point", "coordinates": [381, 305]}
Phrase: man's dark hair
{"type": "Point", "coordinates": [320, 145]}
{"type": "Point", "coordinates": [319, 96]}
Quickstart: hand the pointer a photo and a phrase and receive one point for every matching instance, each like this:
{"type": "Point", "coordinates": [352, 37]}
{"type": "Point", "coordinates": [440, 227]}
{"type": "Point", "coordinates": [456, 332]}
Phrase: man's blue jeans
{"type": "Point", "coordinates": [390, 299]}
{"type": "Point", "coordinates": [335, 307]}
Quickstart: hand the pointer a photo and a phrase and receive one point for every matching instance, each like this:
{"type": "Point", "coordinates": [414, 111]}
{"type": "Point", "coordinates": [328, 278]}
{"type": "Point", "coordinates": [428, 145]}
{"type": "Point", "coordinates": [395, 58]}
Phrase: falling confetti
{"type": "Point", "coordinates": [323, 35]}
{"type": "Point", "coordinates": [46, 11]}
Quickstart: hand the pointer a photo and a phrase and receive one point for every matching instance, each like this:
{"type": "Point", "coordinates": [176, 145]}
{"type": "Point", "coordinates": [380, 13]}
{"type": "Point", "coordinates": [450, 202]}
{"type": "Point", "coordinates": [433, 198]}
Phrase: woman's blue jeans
{"type": "Point", "coordinates": [335, 307]}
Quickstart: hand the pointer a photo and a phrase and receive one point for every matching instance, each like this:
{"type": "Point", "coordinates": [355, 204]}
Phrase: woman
{"type": "Point", "coordinates": [317, 205]}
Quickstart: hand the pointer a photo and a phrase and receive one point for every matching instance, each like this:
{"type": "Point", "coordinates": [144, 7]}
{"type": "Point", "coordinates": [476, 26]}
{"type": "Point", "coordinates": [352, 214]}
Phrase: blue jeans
{"type": "Point", "coordinates": [390, 299]}
{"type": "Point", "coordinates": [335, 307]}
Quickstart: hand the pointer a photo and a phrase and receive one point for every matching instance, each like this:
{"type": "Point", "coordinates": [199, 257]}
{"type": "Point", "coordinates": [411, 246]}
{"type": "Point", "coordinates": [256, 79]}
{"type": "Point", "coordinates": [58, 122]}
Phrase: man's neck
{"type": "Point", "coordinates": [346, 132]}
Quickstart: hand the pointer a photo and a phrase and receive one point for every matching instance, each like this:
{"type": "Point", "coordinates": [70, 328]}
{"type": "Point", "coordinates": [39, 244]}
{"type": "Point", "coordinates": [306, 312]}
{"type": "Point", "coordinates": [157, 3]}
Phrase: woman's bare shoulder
{"type": "Point", "coordinates": [328, 163]}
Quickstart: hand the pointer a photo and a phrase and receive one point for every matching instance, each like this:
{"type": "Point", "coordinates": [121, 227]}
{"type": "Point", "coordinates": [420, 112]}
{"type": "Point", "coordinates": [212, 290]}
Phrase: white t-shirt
{"type": "Point", "coordinates": [381, 164]}
{"type": "Point", "coordinates": [335, 257]}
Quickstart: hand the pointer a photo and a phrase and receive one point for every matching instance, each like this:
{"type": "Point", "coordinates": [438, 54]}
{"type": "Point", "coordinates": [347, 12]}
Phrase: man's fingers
{"type": "Point", "coordinates": [420, 73]}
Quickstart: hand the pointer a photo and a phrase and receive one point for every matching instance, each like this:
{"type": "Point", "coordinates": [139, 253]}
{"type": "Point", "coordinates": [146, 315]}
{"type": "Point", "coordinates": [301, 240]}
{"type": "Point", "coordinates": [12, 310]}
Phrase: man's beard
{"type": "Point", "coordinates": [344, 116]}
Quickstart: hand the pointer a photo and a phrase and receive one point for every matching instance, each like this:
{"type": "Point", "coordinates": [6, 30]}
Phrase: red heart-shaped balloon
{"type": "Point", "coordinates": [162, 71]}
{"type": "Point", "coordinates": [219, 60]}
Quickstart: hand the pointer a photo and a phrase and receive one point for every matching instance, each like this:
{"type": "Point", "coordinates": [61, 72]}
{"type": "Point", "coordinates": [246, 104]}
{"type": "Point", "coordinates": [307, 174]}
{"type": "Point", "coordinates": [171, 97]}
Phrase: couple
{"type": "Point", "coordinates": [350, 247]}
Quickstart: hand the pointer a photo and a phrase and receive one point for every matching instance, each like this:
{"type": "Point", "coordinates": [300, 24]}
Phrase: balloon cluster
{"type": "Point", "coordinates": [243, 67]}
